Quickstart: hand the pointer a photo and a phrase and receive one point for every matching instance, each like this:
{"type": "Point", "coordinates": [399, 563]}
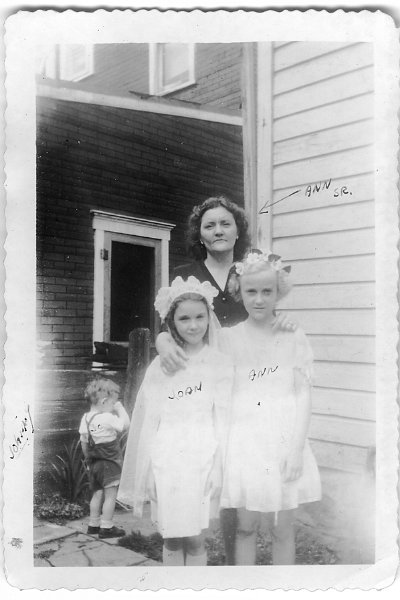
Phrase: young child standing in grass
{"type": "Point", "coordinates": [270, 468]}
{"type": "Point", "coordinates": [175, 449]}
{"type": "Point", "coordinates": [99, 433]}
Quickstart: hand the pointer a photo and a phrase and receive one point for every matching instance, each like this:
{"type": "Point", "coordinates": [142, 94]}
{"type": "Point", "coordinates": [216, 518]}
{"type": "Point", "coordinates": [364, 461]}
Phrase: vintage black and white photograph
{"type": "Point", "coordinates": [214, 282]}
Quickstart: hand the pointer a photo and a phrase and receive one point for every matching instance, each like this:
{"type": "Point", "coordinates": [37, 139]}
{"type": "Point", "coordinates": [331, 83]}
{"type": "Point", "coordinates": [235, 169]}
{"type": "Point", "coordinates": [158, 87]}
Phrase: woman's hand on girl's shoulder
{"type": "Point", "coordinates": [172, 360]}
{"type": "Point", "coordinates": [172, 357]}
{"type": "Point", "coordinates": [283, 322]}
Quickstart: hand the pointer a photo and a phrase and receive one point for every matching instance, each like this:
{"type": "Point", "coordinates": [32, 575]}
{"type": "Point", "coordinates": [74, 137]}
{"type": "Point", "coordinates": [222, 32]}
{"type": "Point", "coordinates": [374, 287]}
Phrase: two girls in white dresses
{"type": "Point", "coordinates": [189, 429]}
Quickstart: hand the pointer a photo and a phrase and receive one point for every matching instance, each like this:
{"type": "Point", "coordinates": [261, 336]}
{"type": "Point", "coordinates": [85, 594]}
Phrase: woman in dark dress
{"type": "Point", "coordinates": [217, 236]}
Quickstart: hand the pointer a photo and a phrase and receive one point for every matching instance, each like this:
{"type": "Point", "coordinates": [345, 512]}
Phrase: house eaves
{"type": "Point", "coordinates": [161, 106]}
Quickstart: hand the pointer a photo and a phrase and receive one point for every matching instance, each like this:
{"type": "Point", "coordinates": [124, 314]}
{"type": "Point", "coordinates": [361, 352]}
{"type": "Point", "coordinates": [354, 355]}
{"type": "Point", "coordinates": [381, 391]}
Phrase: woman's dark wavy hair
{"type": "Point", "coordinates": [197, 250]}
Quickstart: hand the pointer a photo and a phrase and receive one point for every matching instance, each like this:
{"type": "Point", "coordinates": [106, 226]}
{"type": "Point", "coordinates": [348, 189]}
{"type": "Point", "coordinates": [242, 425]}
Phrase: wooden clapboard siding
{"type": "Point", "coordinates": [324, 117]}
{"type": "Point", "coordinates": [324, 245]}
{"type": "Point", "coordinates": [331, 218]}
{"type": "Point", "coordinates": [336, 321]}
{"type": "Point", "coordinates": [345, 376]}
{"type": "Point", "coordinates": [343, 430]}
{"type": "Point", "coordinates": [339, 456]}
{"type": "Point", "coordinates": [324, 66]}
{"type": "Point", "coordinates": [353, 135]}
{"type": "Point", "coordinates": [341, 348]}
{"type": "Point", "coordinates": [345, 295]}
{"type": "Point", "coordinates": [284, 56]}
{"type": "Point", "coordinates": [321, 167]}
{"type": "Point", "coordinates": [346, 85]}
{"type": "Point", "coordinates": [334, 270]}
{"type": "Point", "coordinates": [298, 198]}
{"type": "Point", "coordinates": [323, 218]}
{"type": "Point", "coordinates": [344, 403]}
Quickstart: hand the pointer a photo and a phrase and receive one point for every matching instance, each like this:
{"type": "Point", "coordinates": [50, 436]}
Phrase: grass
{"type": "Point", "coordinates": [309, 551]}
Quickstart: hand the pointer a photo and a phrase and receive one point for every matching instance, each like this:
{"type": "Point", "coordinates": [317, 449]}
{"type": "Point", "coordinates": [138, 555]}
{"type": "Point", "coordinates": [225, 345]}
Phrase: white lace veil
{"type": "Point", "coordinates": [145, 421]}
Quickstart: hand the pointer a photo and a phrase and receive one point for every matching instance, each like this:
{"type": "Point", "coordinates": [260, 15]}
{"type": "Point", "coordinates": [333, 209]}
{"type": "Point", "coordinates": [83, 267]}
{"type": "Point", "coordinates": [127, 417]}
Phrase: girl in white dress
{"type": "Point", "coordinates": [269, 467]}
{"type": "Point", "coordinates": [177, 438]}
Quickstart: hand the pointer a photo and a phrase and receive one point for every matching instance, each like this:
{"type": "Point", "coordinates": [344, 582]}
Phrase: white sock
{"type": "Point", "coordinates": [196, 560]}
{"type": "Point", "coordinates": [173, 558]}
{"type": "Point", "coordinates": [94, 521]}
{"type": "Point", "coordinates": [106, 524]}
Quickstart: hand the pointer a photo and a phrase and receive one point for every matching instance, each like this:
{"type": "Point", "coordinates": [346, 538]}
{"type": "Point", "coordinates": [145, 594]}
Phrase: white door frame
{"type": "Point", "coordinates": [102, 222]}
{"type": "Point", "coordinates": [109, 238]}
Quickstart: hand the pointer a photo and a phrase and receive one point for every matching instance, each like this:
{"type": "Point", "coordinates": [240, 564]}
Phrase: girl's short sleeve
{"type": "Point", "coordinates": [303, 357]}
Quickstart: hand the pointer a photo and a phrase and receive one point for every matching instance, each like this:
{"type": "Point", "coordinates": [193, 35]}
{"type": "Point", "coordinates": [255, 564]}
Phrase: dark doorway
{"type": "Point", "coordinates": [132, 289]}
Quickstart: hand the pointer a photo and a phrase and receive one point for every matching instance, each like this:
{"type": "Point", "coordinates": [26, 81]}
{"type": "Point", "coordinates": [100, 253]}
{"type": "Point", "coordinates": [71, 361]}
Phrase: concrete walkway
{"type": "Point", "coordinates": [70, 546]}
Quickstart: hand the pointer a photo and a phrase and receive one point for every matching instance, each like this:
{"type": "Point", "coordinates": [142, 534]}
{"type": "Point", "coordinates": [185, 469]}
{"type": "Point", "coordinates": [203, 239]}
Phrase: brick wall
{"type": "Point", "coordinates": [218, 76]}
{"type": "Point", "coordinates": [112, 159]}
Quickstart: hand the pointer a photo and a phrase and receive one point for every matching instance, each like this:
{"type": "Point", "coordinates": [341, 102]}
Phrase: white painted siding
{"type": "Point", "coordinates": [323, 130]}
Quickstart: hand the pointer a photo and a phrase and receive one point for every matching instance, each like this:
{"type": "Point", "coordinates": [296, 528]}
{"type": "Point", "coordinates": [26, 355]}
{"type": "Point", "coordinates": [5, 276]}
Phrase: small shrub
{"type": "Point", "coordinates": [57, 509]}
{"type": "Point", "coordinates": [69, 473]}
{"type": "Point", "coordinates": [151, 545]}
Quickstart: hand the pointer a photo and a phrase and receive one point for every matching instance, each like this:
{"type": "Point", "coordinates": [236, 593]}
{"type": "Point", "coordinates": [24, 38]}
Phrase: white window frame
{"type": "Point", "coordinates": [156, 73]}
{"type": "Point", "coordinates": [103, 222]}
{"type": "Point", "coordinates": [66, 72]}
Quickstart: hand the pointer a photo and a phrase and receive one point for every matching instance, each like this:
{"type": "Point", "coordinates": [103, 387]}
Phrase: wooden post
{"type": "Point", "coordinates": [249, 106]}
{"type": "Point", "coordinates": [257, 139]}
{"type": "Point", "coordinates": [138, 360]}
{"type": "Point", "coordinates": [264, 145]}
